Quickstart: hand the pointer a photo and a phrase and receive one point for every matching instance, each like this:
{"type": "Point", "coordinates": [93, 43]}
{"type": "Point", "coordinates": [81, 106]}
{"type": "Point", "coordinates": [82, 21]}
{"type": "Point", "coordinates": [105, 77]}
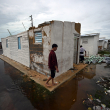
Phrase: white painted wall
{"type": "Point", "coordinates": [92, 46]}
{"type": "Point", "coordinates": [19, 55]}
{"type": "Point", "coordinates": [89, 46]}
{"type": "Point", "coordinates": [62, 34]}
{"type": "Point", "coordinates": [105, 44]}
{"type": "Point", "coordinates": [96, 43]}
{"type": "Point", "coordinates": [46, 38]}
{"type": "Point", "coordinates": [101, 43]}
{"type": "Point", "coordinates": [46, 47]}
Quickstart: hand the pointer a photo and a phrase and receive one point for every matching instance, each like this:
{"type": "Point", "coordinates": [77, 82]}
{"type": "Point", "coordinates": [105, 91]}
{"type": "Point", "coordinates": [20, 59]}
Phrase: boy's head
{"type": "Point", "coordinates": [80, 46]}
{"type": "Point", "coordinates": [54, 47]}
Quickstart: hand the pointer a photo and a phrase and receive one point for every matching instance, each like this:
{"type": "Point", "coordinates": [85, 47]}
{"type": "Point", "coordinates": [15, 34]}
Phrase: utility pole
{"type": "Point", "coordinates": [31, 20]}
{"type": "Point", "coordinates": [24, 26]}
{"type": "Point", "coordinates": [9, 32]}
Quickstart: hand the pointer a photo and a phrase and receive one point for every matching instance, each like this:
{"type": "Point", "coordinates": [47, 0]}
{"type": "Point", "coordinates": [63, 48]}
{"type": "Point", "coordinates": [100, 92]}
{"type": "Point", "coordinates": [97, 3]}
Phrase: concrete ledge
{"type": "Point", "coordinates": [38, 78]}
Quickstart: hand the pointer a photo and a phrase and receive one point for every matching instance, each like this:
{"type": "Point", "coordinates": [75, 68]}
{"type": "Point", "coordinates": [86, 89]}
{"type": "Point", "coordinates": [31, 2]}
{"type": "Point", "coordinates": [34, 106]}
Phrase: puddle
{"type": "Point", "coordinates": [20, 93]}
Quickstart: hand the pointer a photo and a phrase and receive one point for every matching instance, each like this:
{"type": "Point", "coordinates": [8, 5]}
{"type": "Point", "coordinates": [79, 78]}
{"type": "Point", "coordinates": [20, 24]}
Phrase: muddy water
{"type": "Point", "coordinates": [18, 92]}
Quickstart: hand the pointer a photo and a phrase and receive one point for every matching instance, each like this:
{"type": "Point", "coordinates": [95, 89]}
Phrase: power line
{"type": "Point", "coordinates": [24, 26]}
{"type": "Point", "coordinates": [3, 32]}
{"type": "Point", "coordinates": [12, 32]}
{"type": "Point", "coordinates": [15, 31]}
{"type": "Point", "coordinates": [13, 19]}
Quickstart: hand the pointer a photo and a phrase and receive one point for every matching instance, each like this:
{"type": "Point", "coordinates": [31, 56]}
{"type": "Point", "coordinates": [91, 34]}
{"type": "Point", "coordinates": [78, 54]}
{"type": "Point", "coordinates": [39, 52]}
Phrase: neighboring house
{"type": "Point", "coordinates": [102, 43]}
{"type": "Point", "coordinates": [0, 45]}
{"type": "Point", "coordinates": [31, 48]}
{"type": "Point", "coordinates": [90, 43]}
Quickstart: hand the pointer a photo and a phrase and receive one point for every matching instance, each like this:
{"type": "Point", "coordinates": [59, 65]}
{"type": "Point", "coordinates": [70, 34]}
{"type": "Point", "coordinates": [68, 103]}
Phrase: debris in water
{"type": "Point", "coordinates": [74, 100]}
{"type": "Point", "coordinates": [108, 91]}
{"type": "Point", "coordinates": [98, 100]}
{"type": "Point", "coordinates": [96, 107]}
{"type": "Point", "coordinates": [103, 105]}
{"type": "Point", "coordinates": [89, 108]}
{"type": "Point", "coordinates": [96, 59]}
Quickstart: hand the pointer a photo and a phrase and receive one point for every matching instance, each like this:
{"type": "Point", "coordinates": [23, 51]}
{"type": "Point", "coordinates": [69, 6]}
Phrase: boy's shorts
{"type": "Point", "coordinates": [53, 73]}
{"type": "Point", "coordinates": [81, 58]}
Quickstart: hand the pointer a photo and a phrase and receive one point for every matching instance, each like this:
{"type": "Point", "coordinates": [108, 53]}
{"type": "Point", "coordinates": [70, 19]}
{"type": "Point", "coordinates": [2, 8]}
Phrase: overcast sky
{"type": "Point", "coordinates": [94, 15]}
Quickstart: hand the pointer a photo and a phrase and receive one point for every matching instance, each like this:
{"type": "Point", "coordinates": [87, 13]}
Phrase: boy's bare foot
{"type": "Point", "coordinates": [54, 84]}
{"type": "Point", "coordinates": [47, 85]}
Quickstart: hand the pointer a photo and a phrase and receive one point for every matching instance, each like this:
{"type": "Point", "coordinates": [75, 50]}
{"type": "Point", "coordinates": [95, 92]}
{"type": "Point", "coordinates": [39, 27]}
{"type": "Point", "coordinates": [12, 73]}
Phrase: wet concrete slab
{"type": "Point", "coordinates": [38, 78]}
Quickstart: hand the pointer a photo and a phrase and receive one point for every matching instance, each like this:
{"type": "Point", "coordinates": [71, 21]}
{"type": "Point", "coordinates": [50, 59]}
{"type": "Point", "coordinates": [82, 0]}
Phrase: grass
{"type": "Point", "coordinates": [104, 52]}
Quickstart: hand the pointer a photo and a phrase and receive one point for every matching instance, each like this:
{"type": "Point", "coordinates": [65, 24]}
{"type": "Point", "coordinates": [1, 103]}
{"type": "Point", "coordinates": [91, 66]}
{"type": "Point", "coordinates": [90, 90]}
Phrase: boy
{"type": "Point", "coordinates": [53, 65]}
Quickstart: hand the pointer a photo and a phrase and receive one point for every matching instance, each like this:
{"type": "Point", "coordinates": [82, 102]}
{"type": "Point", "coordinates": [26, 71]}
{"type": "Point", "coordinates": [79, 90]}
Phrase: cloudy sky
{"type": "Point", "coordinates": [94, 15]}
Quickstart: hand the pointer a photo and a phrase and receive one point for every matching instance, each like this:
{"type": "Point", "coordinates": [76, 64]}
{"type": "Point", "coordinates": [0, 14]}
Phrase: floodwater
{"type": "Point", "coordinates": [18, 92]}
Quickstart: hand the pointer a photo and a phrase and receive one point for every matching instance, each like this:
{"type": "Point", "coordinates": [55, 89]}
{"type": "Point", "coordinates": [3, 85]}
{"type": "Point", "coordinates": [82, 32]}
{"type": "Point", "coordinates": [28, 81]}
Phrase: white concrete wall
{"type": "Point", "coordinates": [46, 47]}
{"type": "Point", "coordinates": [88, 46]}
{"type": "Point", "coordinates": [96, 43]}
{"type": "Point", "coordinates": [105, 45]}
{"type": "Point", "coordinates": [46, 41]}
{"type": "Point", "coordinates": [62, 34]}
{"type": "Point", "coordinates": [20, 55]}
{"type": "Point", "coordinates": [92, 46]}
{"type": "Point", "coordinates": [101, 43]}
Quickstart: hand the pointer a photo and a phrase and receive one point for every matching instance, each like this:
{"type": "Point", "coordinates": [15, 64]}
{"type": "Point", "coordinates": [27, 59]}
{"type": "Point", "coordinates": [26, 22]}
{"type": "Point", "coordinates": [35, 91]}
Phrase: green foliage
{"type": "Point", "coordinates": [104, 52]}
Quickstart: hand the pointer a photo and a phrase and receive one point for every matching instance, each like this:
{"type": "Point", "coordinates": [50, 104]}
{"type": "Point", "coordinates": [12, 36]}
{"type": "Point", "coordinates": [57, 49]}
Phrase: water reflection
{"type": "Point", "coordinates": [41, 98]}
{"type": "Point", "coordinates": [68, 96]}
{"type": "Point", "coordinates": [107, 66]}
{"type": "Point", "coordinates": [89, 72]}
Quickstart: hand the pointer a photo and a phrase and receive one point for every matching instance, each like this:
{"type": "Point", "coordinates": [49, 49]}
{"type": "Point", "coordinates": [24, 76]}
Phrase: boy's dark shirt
{"type": "Point", "coordinates": [52, 60]}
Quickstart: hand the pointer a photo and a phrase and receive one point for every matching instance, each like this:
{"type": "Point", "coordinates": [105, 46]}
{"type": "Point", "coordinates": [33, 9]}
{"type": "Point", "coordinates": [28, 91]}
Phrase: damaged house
{"type": "Point", "coordinates": [31, 48]}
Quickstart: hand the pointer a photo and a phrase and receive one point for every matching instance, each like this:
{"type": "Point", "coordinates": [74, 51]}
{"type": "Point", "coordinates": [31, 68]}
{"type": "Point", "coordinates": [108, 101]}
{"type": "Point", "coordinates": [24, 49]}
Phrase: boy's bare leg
{"type": "Point", "coordinates": [83, 62]}
{"type": "Point", "coordinates": [53, 82]}
{"type": "Point", "coordinates": [47, 84]}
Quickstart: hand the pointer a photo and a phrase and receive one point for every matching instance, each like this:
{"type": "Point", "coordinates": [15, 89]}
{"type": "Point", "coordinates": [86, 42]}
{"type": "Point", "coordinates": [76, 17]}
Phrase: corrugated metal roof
{"type": "Point", "coordinates": [101, 39]}
{"type": "Point", "coordinates": [89, 35]}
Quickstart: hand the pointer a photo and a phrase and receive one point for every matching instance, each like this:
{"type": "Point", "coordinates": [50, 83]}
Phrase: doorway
{"type": "Point", "coordinates": [76, 49]}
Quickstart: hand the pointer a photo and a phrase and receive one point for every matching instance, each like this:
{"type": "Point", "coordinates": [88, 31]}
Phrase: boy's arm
{"type": "Point", "coordinates": [56, 68]}
{"type": "Point", "coordinates": [85, 52]}
{"type": "Point", "coordinates": [54, 62]}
